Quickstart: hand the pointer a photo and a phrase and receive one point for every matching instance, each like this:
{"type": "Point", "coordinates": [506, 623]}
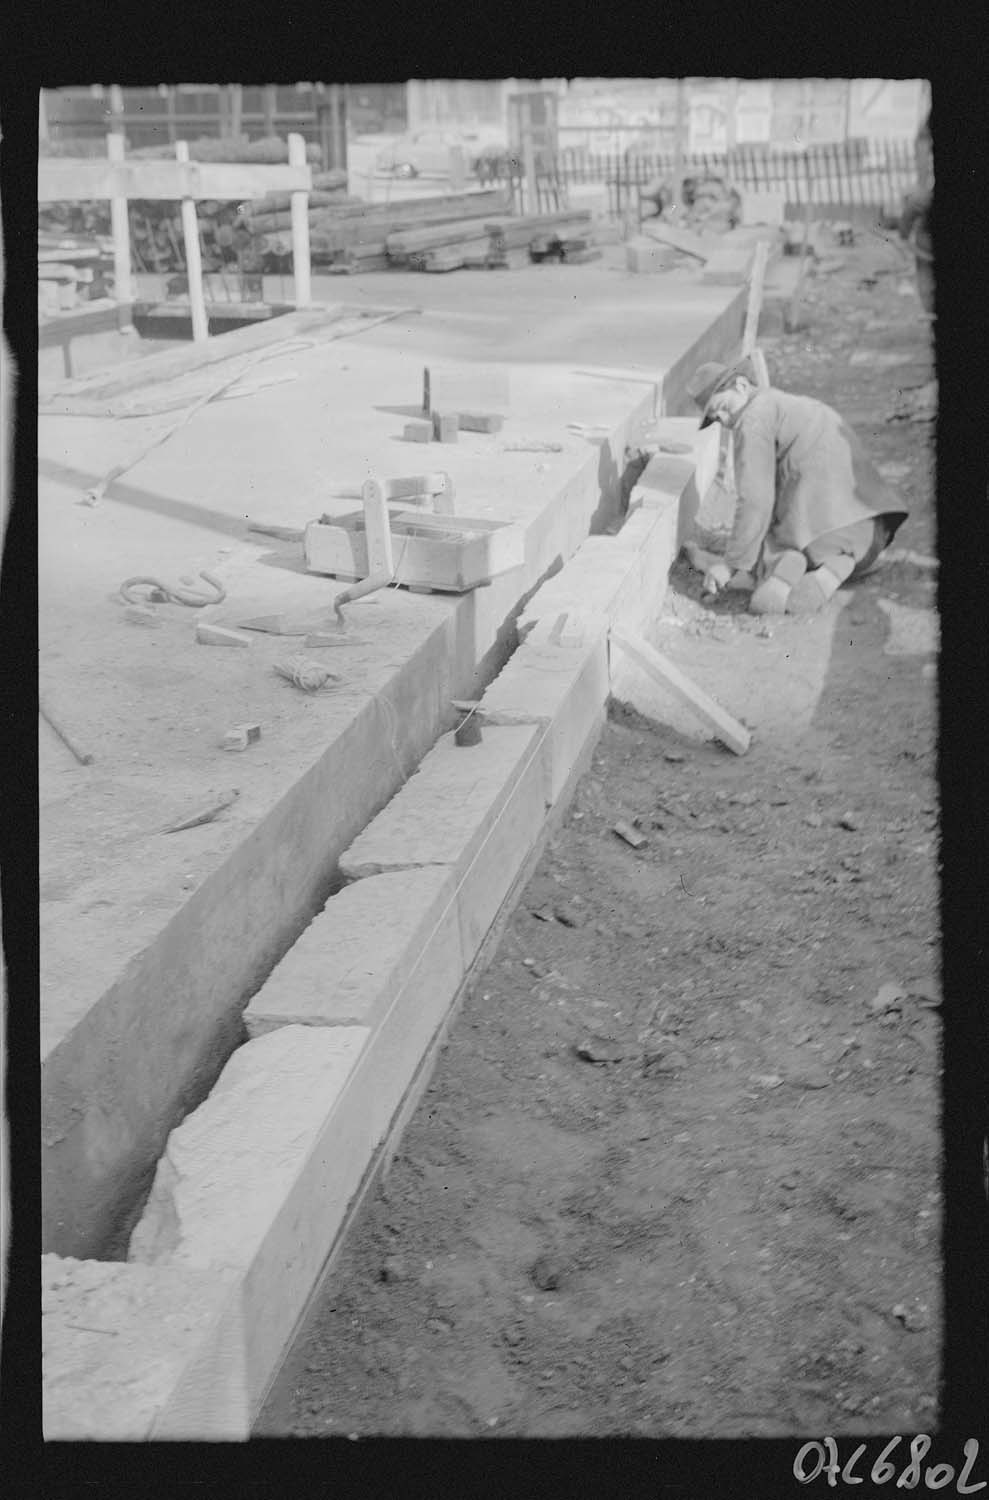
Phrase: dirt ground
{"type": "Point", "coordinates": [676, 1174]}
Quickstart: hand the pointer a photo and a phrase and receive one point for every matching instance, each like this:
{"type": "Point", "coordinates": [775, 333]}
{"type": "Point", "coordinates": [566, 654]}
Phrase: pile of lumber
{"type": "Point", "coordinates": [346, 233]}
{"type": "Point", "coordinates": [473, 230]}
{"type": "Point", "coordinates": [507, 242]}
{"type": "Point", "coordinates": [70, 272]}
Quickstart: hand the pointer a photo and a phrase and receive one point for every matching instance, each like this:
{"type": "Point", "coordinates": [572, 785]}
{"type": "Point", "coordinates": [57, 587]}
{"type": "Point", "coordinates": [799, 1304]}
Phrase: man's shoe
{"type": "Point", "coordinates": [813, 592]}
{"type": "Point", "coordinates": [771, 597]}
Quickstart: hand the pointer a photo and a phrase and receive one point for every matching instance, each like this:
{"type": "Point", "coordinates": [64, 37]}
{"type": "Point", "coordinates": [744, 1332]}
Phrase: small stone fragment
{"type": "Point", "coordinates": [545, 1274]}
{"type": "Point", "coordinates": [848, 820]}
{"type": "Point", "coordinates": [627, 832]}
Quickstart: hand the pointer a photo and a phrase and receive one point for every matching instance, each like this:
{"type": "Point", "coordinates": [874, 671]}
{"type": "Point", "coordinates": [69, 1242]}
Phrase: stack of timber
{"type": "Point", "coordinates": [348, 234]}
{"type": "Point", "coordinates": [488, 244]}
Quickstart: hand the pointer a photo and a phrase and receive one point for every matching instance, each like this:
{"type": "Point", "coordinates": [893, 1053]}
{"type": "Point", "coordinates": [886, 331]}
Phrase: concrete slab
{"type": "Point", "coordinates": [133, 1352]}
{"type": "Point", "coordinates": [151, 944]}
{"type": "Point", "coordinates": [355, 958]}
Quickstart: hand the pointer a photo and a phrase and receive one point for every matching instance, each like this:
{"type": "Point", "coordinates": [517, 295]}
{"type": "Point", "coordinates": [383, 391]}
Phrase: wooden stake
{"type": "Point", "coordinates": [301, 269]}
{"type": "Point", "coordinates": [82, 756]}
{"type": "Point", "coordinates": [193, 259]}
{"type": "Point", "coordinates": [728, 730]}
{"type": "Point", "coordinates": [124, 290]}
{"type": "Point", "coordinates": [754, 308]}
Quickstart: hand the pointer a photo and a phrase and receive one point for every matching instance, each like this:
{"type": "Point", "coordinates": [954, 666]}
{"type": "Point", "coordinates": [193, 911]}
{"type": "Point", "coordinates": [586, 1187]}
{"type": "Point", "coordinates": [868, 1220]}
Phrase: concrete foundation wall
{"type": "Point", "coordinates": [153, 1044]}
{"type": "Point", "coordinates": [258, 1181]}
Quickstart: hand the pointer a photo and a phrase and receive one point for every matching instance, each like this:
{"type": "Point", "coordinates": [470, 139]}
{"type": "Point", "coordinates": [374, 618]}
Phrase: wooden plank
{"type": "Point", "coordinates": [727, 729]}
{"type": "Point", "coordinates": [62, 179]}
{"type": "Point", "coordinates": [754, 306]}
{"type": "Point", "coordinates": [680, 239]}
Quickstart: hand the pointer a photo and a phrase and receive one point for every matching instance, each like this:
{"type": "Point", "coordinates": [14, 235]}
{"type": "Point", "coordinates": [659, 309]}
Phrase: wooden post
{"type": "Point", "coordinates": [116, 109]}
{"type": "Point", "coordinates": [301, 271]}
{"type": "Point", "coordinates": [236, 110]}
{"type": "Point", "coordinates": [755, 297]}
{"type": "Point", "coordinates": [170, 107]}
{"type": "Point", "coordinates": [678, 148]}
{"type": "Point", "coordinates": [529, 167]}
{"type": "Point", "coordinates": [120, 228]}
{"type": "Point", "coordinates": [193, 259]}
{"type": "Point", "coordinates": [731, 118]}
{"type": "Point", "coordinates": [270, 103]}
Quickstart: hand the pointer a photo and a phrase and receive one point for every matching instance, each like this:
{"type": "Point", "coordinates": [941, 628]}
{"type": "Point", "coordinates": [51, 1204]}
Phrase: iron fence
{"type": "Point", "coordinates": [856, 173]}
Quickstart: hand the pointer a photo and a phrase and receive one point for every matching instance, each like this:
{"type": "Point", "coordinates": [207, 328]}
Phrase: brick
{"type": "Point", "coordinates": [474, 421]}
{"type": "Point", "coordinates": [373, 940]}
{"type": "Point", "coordinates": [217, 635]}
{"type": "Point", "coordinates": [240, 736]}
{"type": "Point", "coordinates": [418, 432]}
{"type": "Point", "coordinates": [445, 427]}
{"type": "Point", "coordinates": [134, 1352]}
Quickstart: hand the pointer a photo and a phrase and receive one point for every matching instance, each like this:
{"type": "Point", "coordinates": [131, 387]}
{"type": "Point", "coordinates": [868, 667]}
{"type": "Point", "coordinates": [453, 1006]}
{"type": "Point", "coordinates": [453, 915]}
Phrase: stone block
{"type": "Point", "coordinates": [444, 811]}
{"type": "Point", "coordinates": [252, 1181]}
{"type": "Point", "coordinates": [445, 427]}
{"type": "Point", "coordinates": [645, 256]}
{"type": "Point", "coordinates": [135, 1352]}
{"type": "Point", "coordinates": [418, 432]}
{"type": "Point", "coordinates": [366, 946]}
{"type": "Point", "coordinates": [727, 268]}
{"type": "Point", "coordinates": [564, 689]}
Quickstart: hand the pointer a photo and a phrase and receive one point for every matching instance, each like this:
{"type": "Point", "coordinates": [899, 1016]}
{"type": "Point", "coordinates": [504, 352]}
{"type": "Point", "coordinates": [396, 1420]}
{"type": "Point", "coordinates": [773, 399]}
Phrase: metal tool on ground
{"type": "Point", "coordinates": [82, 756]}
{"type": "Point", "coordinates": [162, 593]}
{"type": "Point", "coordinates": [206, 814]}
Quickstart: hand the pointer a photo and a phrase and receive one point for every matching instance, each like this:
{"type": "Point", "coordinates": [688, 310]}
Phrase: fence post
{"type": "Point", "coordinates": [193, 259]}
{"type": "Point", "coordinates": [120, 228]}
{"type": "Point", "coordinates": [301, 271]}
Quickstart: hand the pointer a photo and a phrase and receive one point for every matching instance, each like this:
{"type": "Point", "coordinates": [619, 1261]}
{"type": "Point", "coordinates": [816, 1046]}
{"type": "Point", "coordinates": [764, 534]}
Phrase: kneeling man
{"type": "Point", "coordinates": [812, 509]}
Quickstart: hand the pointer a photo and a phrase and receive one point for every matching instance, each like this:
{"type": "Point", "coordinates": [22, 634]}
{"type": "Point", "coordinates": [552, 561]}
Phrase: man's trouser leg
{"type": "Point", "coordinates": [781, 570]}
{"type": "Point", "coordinates": [849, 552]}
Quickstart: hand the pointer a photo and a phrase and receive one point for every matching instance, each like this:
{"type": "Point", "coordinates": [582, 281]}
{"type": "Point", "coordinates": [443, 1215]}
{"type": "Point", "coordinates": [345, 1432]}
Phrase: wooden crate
{"type": "Point", "coordinates": [448, 553]}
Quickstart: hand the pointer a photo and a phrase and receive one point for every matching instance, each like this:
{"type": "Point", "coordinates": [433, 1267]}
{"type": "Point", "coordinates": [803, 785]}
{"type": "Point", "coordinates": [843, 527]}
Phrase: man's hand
{"type": "Point", "coordinates": [716, 578]}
